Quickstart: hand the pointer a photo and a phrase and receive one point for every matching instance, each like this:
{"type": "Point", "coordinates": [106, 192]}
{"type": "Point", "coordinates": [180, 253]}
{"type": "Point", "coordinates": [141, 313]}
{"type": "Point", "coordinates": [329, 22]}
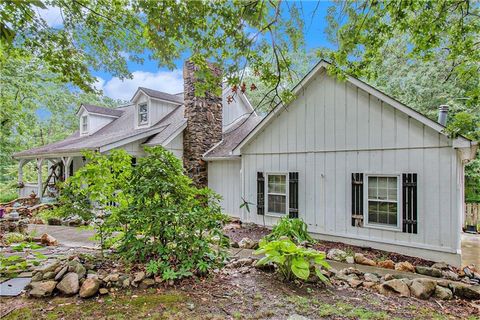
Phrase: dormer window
{"type": "Point", "coordinates": [142, 114]}
{"type": "Point", "coordinates": [84, 124]}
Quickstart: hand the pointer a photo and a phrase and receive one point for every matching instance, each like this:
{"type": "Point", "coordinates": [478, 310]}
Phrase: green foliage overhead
{"type": "Point", "coordinates": [294, 229]}
{"type": "Point", "coordinates": [292, 260]}
{"type": "Point", "coordinates": [447, 29]}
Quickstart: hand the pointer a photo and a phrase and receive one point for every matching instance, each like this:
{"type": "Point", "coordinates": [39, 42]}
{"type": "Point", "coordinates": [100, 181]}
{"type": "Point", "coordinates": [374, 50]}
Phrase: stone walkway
{"type": "Point", "coordinates": [66, 236]}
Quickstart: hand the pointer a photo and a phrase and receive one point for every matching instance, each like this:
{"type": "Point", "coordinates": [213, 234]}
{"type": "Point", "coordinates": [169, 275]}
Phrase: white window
{"type": "Point", "coordinates": [382, 201]}
{"type": "Point", "coordinates": [84, 124]}
{"type": "Point", "coordinates": [277, 191]}
{"type": "Point", "coordinates": [142, 114]}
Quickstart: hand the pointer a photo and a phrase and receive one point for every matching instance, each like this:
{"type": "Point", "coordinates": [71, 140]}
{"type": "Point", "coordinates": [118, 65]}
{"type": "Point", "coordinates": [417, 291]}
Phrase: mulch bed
{"type": "Point", "coordinates": [257, 232]}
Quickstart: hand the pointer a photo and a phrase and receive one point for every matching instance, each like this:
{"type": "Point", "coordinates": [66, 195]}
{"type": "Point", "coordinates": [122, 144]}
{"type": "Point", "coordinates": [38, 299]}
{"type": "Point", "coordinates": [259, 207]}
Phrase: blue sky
{"type": "Point", "coordinates": [149, 75]}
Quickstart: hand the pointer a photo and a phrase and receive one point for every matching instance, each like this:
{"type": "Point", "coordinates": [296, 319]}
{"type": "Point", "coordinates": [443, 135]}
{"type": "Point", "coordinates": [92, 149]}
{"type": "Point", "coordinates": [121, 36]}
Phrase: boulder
{"type": "Point", "coordinates": [371, 277]}
{"type": "Point", "coordinates": [48, 275]}
{"type": "Point", "coordinates": [69, 284]}
{"type": "Point", "coordinates": [54, 222]}
{"type": "Point", "coordinates": [247, 243]}
{"type": "Point", "coordinates": [354, 283]}
{"type": "Point", "coordinates": [48, 240]}
{"type": "Point", "coordinates": [139, 276]}
{"type": "Point", "coordinates": [77, 267]}
{"type": "Point", "coordinates": [350, 260]}
{"type": "Point", "coordinates": [443, 293]}
{"type": "Point", "coordinates": [397, 286]}
{"type": "Point", "coordinates": [241, 262]}
{"type": "Point", "coordinates": [441, 266]}
{"type": "Point", "coordinates": [427, 271]}
{"type": "Point", "coordinates": [336, 254]}
{"type": "Point", "coordinates": [73, 221]}
{"type": "Point", "coordinates": [361, 259]}
{"type": "Point", "coordinates": [422, 288]}
{"type": "Point", "coordinates": [147, 283]}
{"type": "Point", "coordinates": [465, 291]}
{"type": "Point", "coordinates": [89, 287]}
{"type": "Point", "coordinates": [42, 289]}
{"type": "Point", "coordinates": [404, 266]}
{"type": "Point", "coordinates": [368, 284]}
{"type": "Point", "coordinates": [61, 273]}
{"type": "Point", "coordinates": [37, 276]}
{"type": "Point", "coordinates": [387, 264]}
{"type": "Point", "coordinates": [448, 274]}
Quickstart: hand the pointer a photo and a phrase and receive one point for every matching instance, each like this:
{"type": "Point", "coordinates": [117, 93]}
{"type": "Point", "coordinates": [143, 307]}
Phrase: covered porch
{"type": "Point", "coordinates": [50, 170]}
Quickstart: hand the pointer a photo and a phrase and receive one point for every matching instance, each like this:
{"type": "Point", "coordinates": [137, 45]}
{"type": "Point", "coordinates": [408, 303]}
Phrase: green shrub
{"type": "Point", "coordinates": [8, 195]}
{"type": "Point", "coordinates": [295, 229]}
{"type": "Point", "coordinates": [172, 226]}
{"type": "Point", "coordinates": [292, 260]}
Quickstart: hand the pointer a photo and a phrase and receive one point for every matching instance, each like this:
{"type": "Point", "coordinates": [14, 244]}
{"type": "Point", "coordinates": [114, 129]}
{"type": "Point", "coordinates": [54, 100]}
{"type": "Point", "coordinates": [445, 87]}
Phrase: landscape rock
{"type": "Point", "coordinates": [139, 276]}
{"type": "Point", "coordinates": [48, 275]}
{"type": "Point", "coordinates": [354, 283]}
{"type": "Point", "coordinates": [38, 276]}
{"type": "Point", "coordinates": [371, 277]}
{"type": "Point", "coordinates": [241, 262]}
{"type": "Point", "coordinates": [427, 271]}
{"type": "Point", "coordinates": [48, 240]}
{"type": "Point", "coordinates": [103, 291]}
{"type": "Point", "coordinates": [247, 243]}
{"type": "Point", "coordinates": [465, 291]}
{"type": "Point", "coordinates": [387, 264]}
{"type": "Point", "coordinates": [397, 286]}
{"type": "Point", "coordinates": [443, 293]}
{"type": "Point", "coordinates": [61, 273]}
{"type": "Point", "coordinates": [147, 283]}
{"type": "Point", "coordinates": [361, 259]}
{"type": "Point", "coordinates": [336, 255]}
{"type": "Point", "coordinates": [89, 287]}
{"type": "Point", "coordinates": [42, 289]}
{"type": "Point", "coordinates": [69, 284]}
{"type": "Point", "coordinates": [447, 274]}
{"type": "Point", "coordinates": [404, 266]}
{"type": "Point", "coordinates": [441, 266]}
{"type": "Point", "coordinates": [422, 288]}
{"type": "Point", "coordinates": [73, 221]}
{"type": "Point", "coordinates": [49, 266]}
{"type": "Point", "coordinates": [350, 260]}
{"type": "Point", "coordinates": [368, 284]}
{"type": "Point", "coordinates": [77, 267]}
{"type": "Point", "coordinates": [54, 222]}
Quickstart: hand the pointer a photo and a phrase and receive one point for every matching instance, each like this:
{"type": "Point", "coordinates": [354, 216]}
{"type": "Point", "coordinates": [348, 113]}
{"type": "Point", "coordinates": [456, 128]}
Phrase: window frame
{"type": "Point", "coordinates": [139, 123]}
{"type": "Point", "coordinates": [84, 124]}
{"type": "Point", "coordinates": [399, 202]}
{"type": "Point", "coordinates": [287, 193]}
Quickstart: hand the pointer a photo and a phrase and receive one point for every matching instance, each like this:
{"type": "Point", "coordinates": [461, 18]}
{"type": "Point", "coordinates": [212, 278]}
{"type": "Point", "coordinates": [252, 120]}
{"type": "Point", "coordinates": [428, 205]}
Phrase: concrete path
{"type": "Point", "coordinates": [66, 236]}
{"type": "Point", "coordinates": [470, 249]}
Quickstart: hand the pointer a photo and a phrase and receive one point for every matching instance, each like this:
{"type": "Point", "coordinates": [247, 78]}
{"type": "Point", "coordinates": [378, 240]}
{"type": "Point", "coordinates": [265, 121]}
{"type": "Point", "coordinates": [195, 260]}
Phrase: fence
{"type": "Point", "coordinates": [472, 214]}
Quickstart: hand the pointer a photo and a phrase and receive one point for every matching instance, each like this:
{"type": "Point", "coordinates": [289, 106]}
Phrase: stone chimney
{"type": "Point", "coordinates": [204, 124]}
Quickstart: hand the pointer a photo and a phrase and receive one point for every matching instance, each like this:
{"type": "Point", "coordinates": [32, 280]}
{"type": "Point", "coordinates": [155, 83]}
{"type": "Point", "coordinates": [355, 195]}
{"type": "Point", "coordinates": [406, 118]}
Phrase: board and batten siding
{"type": "Point", "coordinates": [224, 178]}
{"type": "Point", "coordinates": [334, 129]}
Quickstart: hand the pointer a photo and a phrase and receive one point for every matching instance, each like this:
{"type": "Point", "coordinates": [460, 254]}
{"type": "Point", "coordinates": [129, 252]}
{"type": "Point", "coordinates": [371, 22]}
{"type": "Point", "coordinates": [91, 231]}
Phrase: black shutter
{"type": "Point", "coordinates": [409, 198]}
{"type": "Point", "coordinates": [260, 193]}
{"type": "Point", "coordinates": [357, 199]}
{"type": "Point", "coordinates": [293, 195]}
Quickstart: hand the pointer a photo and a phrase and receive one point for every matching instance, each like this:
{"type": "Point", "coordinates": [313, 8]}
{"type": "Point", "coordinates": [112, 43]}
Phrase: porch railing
{"type": "Point", "coordinates": [27, 189]}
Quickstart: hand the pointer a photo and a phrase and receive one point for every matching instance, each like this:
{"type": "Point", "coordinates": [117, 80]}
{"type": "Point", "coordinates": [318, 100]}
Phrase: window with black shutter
{"type": "Point", "coordinates": [260, 193]}
{"type": "Point", "coordinates": [357, 199]}
{"type": "Point", "coordinates": [409, 203]}
{"type": "Point", "coordinates": [293, 194]}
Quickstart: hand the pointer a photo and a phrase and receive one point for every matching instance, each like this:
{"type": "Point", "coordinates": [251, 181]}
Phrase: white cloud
{"type": "Point", "coordinates": [166, 81]}
{"type": "Point", "coordinates": [52, 15]}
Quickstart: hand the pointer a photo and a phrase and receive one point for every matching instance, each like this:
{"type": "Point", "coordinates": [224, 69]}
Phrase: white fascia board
{"type": "Point", "coordinates": [50, 155]}
{"type": "Point", "coordinates": [103, 115]}
{"type": "Point", "coordinates": [130, 139]}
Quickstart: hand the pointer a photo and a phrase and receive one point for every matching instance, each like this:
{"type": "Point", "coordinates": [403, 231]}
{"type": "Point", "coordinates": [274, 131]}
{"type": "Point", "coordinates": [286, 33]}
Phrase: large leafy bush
{"type": "Point", "coordinates": [172, 225]}
{"type": "Point", "coordinates": [293, 228]}
{"type": "Point", "coordinates": [292, 260]}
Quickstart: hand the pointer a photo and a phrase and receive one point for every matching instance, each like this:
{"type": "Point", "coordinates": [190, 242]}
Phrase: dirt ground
{"type": "Point", "coordinates": [235, 295]}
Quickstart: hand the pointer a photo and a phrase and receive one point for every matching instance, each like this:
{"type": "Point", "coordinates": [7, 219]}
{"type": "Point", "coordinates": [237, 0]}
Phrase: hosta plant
{"type": "Point", "coordinates": [292, 261]}
{"type": "Point", "coordinates": [293, 228]}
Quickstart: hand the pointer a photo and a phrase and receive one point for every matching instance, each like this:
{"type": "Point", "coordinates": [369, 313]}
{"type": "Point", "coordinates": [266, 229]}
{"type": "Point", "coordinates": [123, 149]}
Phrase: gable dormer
{"type": "Point", "coordinates": [93, 118]}
{"type": "Point", "coordinates": [151, 106]}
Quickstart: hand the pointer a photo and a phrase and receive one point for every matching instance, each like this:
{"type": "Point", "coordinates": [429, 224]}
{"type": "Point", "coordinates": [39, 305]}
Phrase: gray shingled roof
{"type": "Point", "coordinates": [174, 121]}
{"type": "Point", "coordinates": [117, 130]}
{"type": "Point", "coordinates": [103, 110]}
{"type": "Point", "coordinates": [162, 95]}
{"type": "Point", "coordinates": [234, 134]}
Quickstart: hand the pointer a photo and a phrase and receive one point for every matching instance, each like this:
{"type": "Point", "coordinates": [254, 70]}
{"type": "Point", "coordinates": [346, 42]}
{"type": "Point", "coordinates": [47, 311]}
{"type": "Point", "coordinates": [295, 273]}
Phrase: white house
{"type": "Point", "coordinates": [356, 165]}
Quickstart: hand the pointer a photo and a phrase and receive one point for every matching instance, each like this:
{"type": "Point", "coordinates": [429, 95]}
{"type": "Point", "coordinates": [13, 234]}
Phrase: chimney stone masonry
{"type": "Point", "coordinates": [204, 124]}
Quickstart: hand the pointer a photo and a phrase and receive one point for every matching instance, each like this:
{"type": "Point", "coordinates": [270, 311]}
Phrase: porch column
{"type": "Point", "coordinates": [39, 178]}
{"type": "Point", "coordinates": [66, 167]}
{"type": "Point", "coordinates": [21, 163]}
